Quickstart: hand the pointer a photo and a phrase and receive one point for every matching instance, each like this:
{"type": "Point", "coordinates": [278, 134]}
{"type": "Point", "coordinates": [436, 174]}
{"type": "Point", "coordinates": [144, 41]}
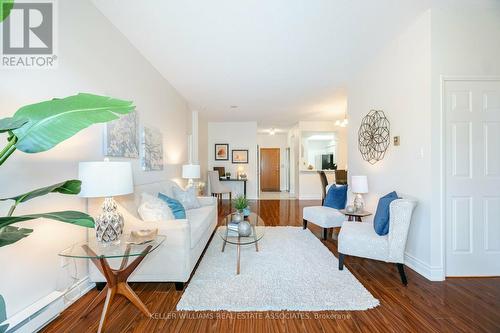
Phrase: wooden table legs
{"type": "Point", "coordinates": [238, 260]}
{"type": "Point", "coordinates": [116, 285]}
{"type": "Point", "coordinates": [238, 251]}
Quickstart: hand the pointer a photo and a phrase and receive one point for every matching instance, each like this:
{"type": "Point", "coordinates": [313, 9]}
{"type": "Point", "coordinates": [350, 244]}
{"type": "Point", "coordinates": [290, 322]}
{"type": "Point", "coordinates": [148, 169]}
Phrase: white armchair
{"type": "Point", "coordinates": [324, 217]}
{"type": "Point", "coordinates": [360, 239]}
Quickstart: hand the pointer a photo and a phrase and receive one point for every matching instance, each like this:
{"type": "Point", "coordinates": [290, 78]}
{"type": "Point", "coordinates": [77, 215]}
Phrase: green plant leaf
{"type": "Point", "coordinates": [11, 234]}
{"type": "Point", "coordinates": [3, 315]}
{"type": "Point", "coordinates": [240, 202]}
{"type": "Point", "coordinates": [3, 311]}
{"type": "Point", "coordinates": [70, 216]}
{"type": "Point", "coordinates": [5, 8]}
{"type": "Point", "coordinates": [54, 121]}
{"type": "Point", "coordinates": [68, 187]}
{"type": "Point", "coordinates": [9, 124]}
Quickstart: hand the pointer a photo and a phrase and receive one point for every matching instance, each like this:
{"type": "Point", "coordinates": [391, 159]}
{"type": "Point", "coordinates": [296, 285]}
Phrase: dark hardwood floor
{"type": "Point", "coordinates": [456, 305]}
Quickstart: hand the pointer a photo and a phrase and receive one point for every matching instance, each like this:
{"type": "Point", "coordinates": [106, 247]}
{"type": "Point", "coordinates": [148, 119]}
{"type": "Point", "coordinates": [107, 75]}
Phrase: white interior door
{"type": "Point", "coordinates": [472, 167]}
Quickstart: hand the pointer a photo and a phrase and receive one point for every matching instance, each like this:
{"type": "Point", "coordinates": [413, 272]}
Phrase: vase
{"type": "Point", "coordinates": [238, 216]}
{"type": "Point", "coordinates": [246, 211]}
{"type": "Point", "coordinates": [244, 229]}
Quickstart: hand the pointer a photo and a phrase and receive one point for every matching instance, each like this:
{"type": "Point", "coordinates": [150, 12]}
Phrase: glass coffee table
{"type": "Point", "coordinates": [116, 278]}
{"type": "Point", "coordinates": [229, 236]}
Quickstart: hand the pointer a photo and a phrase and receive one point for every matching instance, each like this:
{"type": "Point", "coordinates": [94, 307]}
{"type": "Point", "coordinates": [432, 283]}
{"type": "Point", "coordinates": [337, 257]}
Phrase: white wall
{"type": "Point", "coordinates": [276, 141]}
{"type": "Point", "coordinates": [465, 43]}
{"type": "Point", "coordinates": [397, 81]}
{"type": "Point", "coordinates": [93, 57]}
{"type": "Point", "coordinates": [239, 135]}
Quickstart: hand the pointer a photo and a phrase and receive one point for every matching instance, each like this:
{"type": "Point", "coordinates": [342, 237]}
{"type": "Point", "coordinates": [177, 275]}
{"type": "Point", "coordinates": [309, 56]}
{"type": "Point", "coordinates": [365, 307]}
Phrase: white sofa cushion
{"type": "Point", "coordinates": [322, 216]}
{"type": "Point", "coordinates": [153, 209]}
{"type": "Point", "coordinates": [360, 239]}
{"type": "Point", "coordinates": [199, 221]}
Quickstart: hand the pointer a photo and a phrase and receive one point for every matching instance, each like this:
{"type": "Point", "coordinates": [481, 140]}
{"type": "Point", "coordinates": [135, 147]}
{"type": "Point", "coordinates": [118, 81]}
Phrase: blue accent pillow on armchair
{"type": "Point", "coordinates": [381, 219]}
{"type": "Point", "coordinates": [175, 206]}
{"type": "Point", "coordinates": [336, 197]}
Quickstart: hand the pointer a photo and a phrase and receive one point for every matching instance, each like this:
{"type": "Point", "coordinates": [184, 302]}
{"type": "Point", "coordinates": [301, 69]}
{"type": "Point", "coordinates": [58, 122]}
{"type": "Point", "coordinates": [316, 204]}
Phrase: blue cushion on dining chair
{"type": "Point", "coordinates": [381, 219]}
{"type": "Point", "coordinates": [336, 197]}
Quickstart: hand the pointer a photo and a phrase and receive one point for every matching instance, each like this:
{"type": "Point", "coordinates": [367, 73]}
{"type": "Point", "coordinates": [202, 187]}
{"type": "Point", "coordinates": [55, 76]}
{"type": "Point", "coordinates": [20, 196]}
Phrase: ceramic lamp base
{"type": "Point", "coordinates": [109, 224]}
{"type": "Point", "coordinates": [359, 204]}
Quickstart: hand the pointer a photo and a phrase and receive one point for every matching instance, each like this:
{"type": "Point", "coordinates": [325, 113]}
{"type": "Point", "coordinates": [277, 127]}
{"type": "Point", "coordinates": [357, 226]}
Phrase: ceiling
{"type": "Point", "coordinates": [278, 61]}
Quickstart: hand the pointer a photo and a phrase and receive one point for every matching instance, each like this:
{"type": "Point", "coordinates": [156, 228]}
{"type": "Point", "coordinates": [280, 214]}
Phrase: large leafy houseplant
{"type": "Point", "coordinates": [37, 128]}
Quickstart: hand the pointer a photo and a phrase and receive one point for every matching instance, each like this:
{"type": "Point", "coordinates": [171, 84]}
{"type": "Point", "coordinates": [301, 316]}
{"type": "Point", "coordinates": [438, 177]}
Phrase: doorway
{"type": "Point", "coordinates": [472, 177]}
{"type": "Point", "coordinates": [270, 169]}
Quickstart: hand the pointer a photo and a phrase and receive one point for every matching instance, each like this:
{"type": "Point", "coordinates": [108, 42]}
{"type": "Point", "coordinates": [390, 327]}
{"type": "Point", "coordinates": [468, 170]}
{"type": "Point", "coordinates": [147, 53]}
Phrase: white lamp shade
{"type": "Point", "coordinates": [191, 171]}
{"type": "Point", "coordinates": [105, 179]}
{"type": "Point", "coordinates": [359, 184]}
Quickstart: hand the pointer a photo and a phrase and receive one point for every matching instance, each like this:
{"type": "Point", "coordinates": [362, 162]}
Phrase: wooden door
{"type": "Point", "coordinates": [472, 114]}
{"type": "Point", "coordinates": [270, 169]}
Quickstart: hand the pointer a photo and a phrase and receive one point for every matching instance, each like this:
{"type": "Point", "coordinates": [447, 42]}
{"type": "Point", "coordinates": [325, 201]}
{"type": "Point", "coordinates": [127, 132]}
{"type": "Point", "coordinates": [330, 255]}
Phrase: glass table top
{"type": "Point", "coordinates": [94, 249]}
{"type": "Point", "coordinates": [257, 226]}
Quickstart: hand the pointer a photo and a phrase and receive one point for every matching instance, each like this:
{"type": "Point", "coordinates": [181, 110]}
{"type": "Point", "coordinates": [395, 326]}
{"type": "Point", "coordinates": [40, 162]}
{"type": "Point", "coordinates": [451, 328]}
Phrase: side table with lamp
{"type": "Point", "coordinates": [356, 211]}
{"type": "Point", "coordinates": [106, 179]}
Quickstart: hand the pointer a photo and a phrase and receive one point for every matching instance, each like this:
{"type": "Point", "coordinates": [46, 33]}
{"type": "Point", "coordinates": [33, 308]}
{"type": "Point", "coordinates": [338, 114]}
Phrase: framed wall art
{"type": "Point", "coordinates": [151, 149]}
{"type": "Point", "coordinates": [121, 137]}
{"type": "Point", "coordinates": [239, 156]}
{"type": "Point", "coordinates": [221, 152]}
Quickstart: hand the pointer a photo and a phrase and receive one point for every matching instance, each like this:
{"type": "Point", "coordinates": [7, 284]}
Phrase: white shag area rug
{"type": "Point", "coordinates": [293, 271]}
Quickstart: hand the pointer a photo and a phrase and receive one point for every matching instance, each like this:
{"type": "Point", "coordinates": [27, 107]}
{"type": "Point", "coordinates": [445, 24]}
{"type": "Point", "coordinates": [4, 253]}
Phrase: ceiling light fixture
{"type": "Point", "coordinates": [272, 131]}
{"type": "Point", "coordinates": [233, 106]}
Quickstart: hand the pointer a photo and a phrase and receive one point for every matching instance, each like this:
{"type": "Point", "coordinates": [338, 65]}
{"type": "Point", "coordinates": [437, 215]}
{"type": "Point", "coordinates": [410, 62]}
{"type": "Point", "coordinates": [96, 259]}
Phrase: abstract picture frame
{"type": "Point", "coordinates": [239, 156]}
{"type": "Point", "coordinates": [151, 149]}
{"type": "Point", "coordinates": [221, 152]}
{"type": "Point", "coordinates": [121, 137]}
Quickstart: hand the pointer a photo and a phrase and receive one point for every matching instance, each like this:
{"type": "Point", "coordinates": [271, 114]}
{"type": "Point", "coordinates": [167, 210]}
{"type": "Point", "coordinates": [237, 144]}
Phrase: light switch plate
{"type": "Point", "coordinates": [396, 141]}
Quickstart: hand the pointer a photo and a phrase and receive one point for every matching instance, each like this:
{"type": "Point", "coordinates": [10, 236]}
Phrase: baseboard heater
{"type": "Point", "coordinates": [39, 314]}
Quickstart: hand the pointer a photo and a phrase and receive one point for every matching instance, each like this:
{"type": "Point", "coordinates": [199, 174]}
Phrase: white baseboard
{"type": "Point", "coordinates": [39, 314]}
{"type": "Point", "coordinates": [432, 273]}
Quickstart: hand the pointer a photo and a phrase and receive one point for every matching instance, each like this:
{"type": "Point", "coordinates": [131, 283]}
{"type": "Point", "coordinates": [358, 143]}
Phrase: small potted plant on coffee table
{"type": "Point", "coordinates": [241, 205]}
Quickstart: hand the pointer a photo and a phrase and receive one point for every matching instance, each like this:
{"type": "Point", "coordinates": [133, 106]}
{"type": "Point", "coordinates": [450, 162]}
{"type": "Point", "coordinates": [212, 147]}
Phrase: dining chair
{"type": "Point", "coordinates": [216, 187]}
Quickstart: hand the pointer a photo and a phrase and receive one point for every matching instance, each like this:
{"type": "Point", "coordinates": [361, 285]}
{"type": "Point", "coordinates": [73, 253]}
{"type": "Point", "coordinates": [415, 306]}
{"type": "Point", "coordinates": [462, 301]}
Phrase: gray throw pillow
{"type": "Point", "coordinates": [186, 197]}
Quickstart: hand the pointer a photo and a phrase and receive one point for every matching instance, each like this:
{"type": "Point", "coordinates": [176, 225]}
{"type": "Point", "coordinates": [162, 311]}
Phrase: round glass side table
{"type": "Point", "coordinates": [116, 279]}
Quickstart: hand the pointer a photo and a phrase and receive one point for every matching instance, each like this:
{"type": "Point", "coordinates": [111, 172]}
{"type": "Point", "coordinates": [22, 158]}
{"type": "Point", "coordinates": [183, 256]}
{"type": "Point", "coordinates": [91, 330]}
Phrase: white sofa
{"type": "Point", "coordinates": [186, 239]}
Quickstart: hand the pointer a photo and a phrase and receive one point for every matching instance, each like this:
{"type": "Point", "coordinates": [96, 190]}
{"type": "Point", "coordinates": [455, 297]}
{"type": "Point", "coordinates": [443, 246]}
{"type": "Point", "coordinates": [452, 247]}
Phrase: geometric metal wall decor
{"type": "Point", "coordinates": [374, 136]}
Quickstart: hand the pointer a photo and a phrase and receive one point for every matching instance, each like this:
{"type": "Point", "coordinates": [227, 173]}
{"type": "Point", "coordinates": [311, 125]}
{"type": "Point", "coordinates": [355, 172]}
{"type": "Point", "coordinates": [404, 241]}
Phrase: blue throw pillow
{"type": "Point", "coordinates": [381, 219]}
{"type": "Point", "coordinates": [175, 206]}
{"type": "Point", "coordinates": [336, 197]}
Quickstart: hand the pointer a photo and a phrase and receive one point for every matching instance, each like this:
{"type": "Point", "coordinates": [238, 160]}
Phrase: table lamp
{"type": "Point", "coordinates": [359, 186]}
{"type": "Point", "coordinates": [190, 172]}
{"type": "Point", "coordinates": [241, 172]}
{"type": "Point", "coordinates": [104, 180]}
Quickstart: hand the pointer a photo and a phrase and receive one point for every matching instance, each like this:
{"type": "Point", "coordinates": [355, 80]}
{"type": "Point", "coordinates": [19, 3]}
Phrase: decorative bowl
{"type": "Point", "coordinates": [244, 229]}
